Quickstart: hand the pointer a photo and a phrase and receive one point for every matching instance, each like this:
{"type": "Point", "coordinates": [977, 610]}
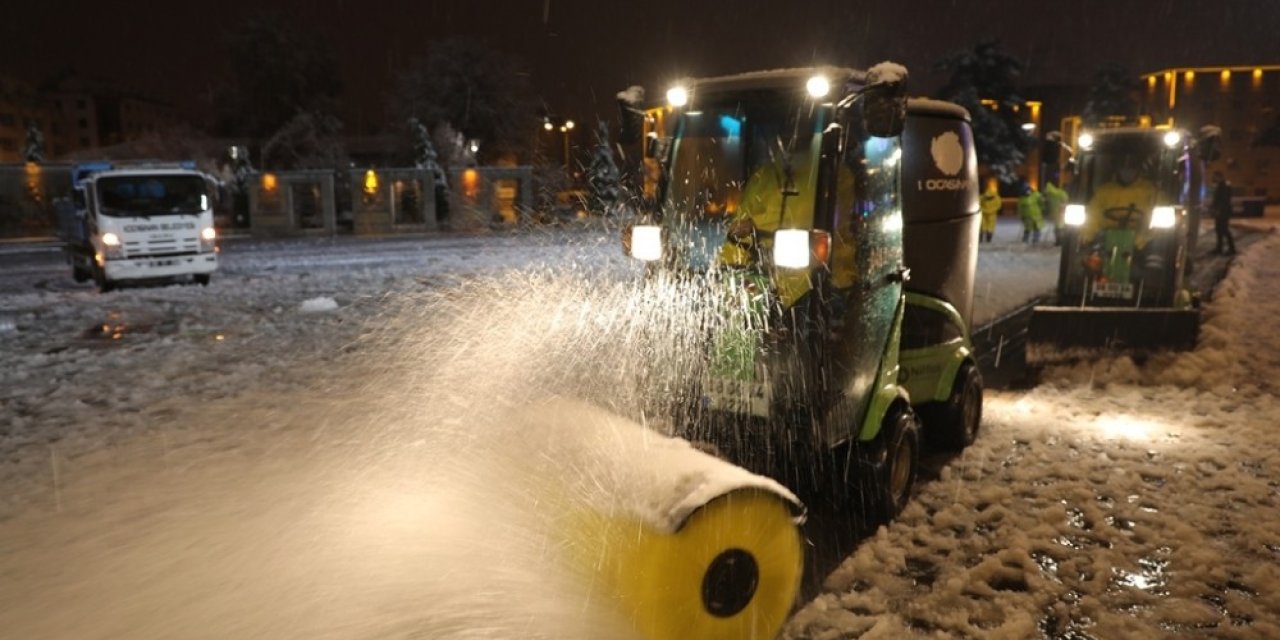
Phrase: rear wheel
{"type": "Point", "coordinates": [202, 279]}
{"type": "Point", "coordinates": [961, 415]}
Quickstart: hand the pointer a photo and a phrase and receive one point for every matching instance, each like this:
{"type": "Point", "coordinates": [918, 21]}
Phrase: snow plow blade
{"type": "Point", "coordinates": [1058, 334]}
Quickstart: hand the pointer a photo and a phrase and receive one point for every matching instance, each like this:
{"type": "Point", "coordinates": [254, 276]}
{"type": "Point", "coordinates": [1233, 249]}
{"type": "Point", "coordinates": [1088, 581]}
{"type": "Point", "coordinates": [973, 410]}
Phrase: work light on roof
{"type": "Point", "coordinates": [677, 96]}
{"type": "Point", "coordinates": [1172, 138]}
{"type": "Point", "coordinates": [818, 86]}
{"type": "Point", "coordinates": [1085, 140]}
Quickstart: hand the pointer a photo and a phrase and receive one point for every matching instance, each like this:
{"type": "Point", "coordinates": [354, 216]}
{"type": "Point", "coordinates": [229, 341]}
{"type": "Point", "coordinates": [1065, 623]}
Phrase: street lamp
{"type": "Point", "coordinates": [564, 126]}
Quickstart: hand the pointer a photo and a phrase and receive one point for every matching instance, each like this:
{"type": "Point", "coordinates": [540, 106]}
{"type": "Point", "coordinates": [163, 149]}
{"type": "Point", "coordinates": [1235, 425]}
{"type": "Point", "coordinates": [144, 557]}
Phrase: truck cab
{"type": "Point", "coordinates": [139, 223]}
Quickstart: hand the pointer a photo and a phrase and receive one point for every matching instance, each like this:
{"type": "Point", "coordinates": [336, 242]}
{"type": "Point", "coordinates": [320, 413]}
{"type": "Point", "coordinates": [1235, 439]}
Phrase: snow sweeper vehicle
{"type": "Point", "coordinates": [824, 229]}
{"type": "Point", "coordinates": [1131, 220]}
{"type": "Point", "coordinates": [139, 222]}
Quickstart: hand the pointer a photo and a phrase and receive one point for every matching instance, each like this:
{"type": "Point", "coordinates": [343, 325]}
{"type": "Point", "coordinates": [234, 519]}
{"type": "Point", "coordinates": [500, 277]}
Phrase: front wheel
{"type": "Point", "coordinates": [891, 469]}
{"type": "Point", "coordinates": [80, 274]}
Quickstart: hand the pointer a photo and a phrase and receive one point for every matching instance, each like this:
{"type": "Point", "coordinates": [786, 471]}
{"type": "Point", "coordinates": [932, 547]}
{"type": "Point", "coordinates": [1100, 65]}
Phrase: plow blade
{"type": "Point", "coordinates": [1065, 333]}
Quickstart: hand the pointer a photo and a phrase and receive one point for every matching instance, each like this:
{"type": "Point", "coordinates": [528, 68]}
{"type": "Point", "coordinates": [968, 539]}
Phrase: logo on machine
{"type": "Point", "coordinates": [948, 157]}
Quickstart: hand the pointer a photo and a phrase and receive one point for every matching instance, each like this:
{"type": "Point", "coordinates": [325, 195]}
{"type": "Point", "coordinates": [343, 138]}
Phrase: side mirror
{"type": "Point", "coordinates": [884, 100]}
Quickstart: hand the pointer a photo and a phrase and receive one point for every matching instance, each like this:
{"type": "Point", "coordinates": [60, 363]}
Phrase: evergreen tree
{"type": "Point", "coordinates": [603, 177]}
{"type": "Point", "coordinates": [987, 73]}
{"type": "Point", "coordinates": [33, 151]}
{"type": "Point", "coordinates": [1113, 93]}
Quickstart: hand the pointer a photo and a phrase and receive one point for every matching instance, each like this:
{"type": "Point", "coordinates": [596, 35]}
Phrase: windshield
{"type": "Point", "coordinates": [719, 149]}
{"type": "Point", "coordinates": [1131, 162]}
{"type": "Point", "coordinates": [152, 195]}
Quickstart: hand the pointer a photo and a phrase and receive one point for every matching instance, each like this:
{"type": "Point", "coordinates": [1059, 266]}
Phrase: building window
{"type": "Point", "coordinates": [8, 144]}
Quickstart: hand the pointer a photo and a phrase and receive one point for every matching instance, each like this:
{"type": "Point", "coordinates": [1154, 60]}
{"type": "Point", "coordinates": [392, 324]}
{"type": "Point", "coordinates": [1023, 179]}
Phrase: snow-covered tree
{"type": "Point", "coordinates": [33, 150]}
{"type": "Point", "coordinates": [424, 153]}
{"type": "Point", "coordinates": [479, 90]}
{"type": "Point", "coordinates": [986, 72]}
{"type": "Point", "coordinates": [309, 140]}
{"type": "Point", "coordinates": [603, 176]}
{"type": "Point", "coordinates": [1113, 93]}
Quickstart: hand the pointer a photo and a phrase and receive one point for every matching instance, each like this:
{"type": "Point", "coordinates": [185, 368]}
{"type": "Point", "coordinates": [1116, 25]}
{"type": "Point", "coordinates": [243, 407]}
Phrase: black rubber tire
{"type": "Point", "coordinates": [104, 285]}
{"type": "Point", "coordinates": [960, 417]}
{"type": "Point", "coordinates": [202, 279]}
{"type": "Point", "coordinates": [80, 275]}
{"type": "Point", "coordinates": [889, 467]}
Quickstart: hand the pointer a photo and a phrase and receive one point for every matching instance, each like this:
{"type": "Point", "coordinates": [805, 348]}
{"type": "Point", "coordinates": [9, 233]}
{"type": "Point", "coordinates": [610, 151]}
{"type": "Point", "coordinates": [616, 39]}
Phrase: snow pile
{"type": "Point", "coordinates": [318, 305]}
{"type": "Point", "coordinates": [886, 72]}
{"type": "Point", "coordinates": [632, 96]}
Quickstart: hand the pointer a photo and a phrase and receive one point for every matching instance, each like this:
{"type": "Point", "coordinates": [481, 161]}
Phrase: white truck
{"type": "Point", "coordinates": [143, 222]}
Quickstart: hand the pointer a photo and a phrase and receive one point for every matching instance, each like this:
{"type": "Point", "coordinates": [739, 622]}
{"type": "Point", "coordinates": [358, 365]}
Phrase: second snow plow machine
{"type": "Point", "coordinates": [1130, 223]}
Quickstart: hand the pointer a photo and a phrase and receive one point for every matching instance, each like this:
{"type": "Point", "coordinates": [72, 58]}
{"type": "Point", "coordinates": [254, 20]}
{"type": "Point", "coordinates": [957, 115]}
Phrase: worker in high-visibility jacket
{"type": "Point", "coordinates": [1055, 202]}
{"type": "Point", "coordinates": [1031, 210]}
{"type": "Point", "coordinates": [1123, 203]}
{"type": "Point", "coordinates": [990, 204]}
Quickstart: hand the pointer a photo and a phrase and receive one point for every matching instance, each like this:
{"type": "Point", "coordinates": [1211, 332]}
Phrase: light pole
{"type": "Point", "coordinates": [565, 126]}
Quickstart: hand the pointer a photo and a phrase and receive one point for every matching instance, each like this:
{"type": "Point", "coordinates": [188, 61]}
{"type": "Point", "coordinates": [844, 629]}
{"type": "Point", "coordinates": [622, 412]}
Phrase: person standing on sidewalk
{"type": "Point", "coordinates": [1055, 200]}
{"type": "Point", "coordinates": [990, 204]}
{"type": "Point", "coordinates": [1222, 214]}
{"type": "Point", "coordinates": [1031, 210]}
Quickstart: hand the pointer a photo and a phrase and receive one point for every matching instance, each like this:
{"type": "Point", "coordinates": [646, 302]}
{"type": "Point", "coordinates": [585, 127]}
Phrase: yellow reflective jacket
{"type": "Point", "coordinates": [990, 204]}
{"type": "Point", "coordinates": [1113, 196]}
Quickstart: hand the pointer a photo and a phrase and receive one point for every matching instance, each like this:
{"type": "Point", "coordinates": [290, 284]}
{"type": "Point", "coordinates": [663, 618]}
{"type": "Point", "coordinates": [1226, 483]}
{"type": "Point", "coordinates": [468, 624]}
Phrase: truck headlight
{"type": "Point", "coordinates": [207, 237]}
{"type": "Point", "coordinates": [646, 242]}
{"type": "Point", "coordinates": [1163, 218]}
{"type": "Point", "coordinates": [791, 248]}
{"type": "Point", "coordinates": [111, 248]}
{"type": "Point", "coordinates": [1073, 215]}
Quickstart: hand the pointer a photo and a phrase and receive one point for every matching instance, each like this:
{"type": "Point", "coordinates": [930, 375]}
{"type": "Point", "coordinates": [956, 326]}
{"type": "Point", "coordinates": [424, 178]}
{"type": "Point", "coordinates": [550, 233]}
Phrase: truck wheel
{"type": "Point", "coordinates": [961, 414]}
{"type": "Point", "coordinates": [79, 274]}
{"type": "Point", "coordinates": [890, 471]}
{"type": "Point", "coordinates": [202, 279]}
{"type": "Point", "coordinates": [104, 285]}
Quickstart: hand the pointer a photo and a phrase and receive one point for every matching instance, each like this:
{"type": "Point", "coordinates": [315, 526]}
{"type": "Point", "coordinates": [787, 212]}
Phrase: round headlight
{"type": "Point", "coordinates": [818, 86]}
{"type": "Point", "coordinates": [677, 96]}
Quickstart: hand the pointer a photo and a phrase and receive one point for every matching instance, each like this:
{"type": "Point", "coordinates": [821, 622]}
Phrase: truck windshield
{"type": "Point", "coordinates": [152, 195]}
{"type": "Point", "coordinates": [1126, 160]}
{"type": "Point", "coordinates": [720, 145]}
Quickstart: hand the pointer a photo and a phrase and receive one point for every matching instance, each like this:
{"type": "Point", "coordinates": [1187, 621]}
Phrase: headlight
{"type": "Point", "coordinates": [1163, 218]}
{"type": "Point", "coordinates": [791, 248]}
{"type": "Point", "coordinates": [677, 96]}
{"type": "Point", "coordinates": [1073, 215]}
{"type": "Point", "coordinates": [207, 237]}
{"type": "Point", "coordinates": [1172, 138]}
{"type": "Point", "coordinates": [646, 242]}
{"type": "Point", "coordinates": [818, 86]}
{"type": "Point", "coordinates": [110, 239]}
{"type": "Point", "coordinates": [1085, 140]}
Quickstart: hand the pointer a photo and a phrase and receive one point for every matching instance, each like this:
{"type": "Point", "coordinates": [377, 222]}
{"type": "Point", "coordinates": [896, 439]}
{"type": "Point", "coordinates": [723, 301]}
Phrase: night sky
{"type": "Point", "coordinates": [580, 53]}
